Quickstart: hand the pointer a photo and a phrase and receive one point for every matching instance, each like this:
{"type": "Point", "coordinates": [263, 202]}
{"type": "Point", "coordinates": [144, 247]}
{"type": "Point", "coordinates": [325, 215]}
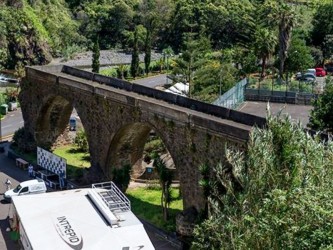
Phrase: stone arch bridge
{"type": "Point", "coordinates": [117, 117]}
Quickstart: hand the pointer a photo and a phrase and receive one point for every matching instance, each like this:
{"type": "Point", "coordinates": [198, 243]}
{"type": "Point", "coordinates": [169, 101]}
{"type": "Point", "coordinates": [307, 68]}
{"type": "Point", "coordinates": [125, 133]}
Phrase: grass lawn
{"type": "Point", "coordinates": [146, 204]}
{"type": "Point", "coordinates": [74, 157]}
{"type": "Point", "coordinates": [76, 160]}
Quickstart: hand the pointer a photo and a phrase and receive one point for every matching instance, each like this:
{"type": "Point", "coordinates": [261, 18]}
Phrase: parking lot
{"type": "Point", "coordinates": [297, 113]}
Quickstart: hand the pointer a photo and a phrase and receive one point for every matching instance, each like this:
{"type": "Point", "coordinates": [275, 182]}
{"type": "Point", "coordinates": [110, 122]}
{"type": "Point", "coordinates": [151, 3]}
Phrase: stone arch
{"type": "Point", "coordinates": [52, 120]}
{"type": "Point", "coordinates": [127, 145]}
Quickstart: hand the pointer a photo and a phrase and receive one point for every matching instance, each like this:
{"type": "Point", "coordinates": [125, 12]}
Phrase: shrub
{"type": "Point", "coordinates": [81, 141]}
{"type": "Point", "coordinates": [277, 195]}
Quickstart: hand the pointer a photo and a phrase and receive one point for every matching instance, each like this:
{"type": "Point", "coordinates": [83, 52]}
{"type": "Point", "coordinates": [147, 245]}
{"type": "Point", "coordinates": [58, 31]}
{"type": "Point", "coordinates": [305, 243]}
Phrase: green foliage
{"type": "Point", "coordinates": [121, 177]}
{"type": "Point", "coordinates": [2, 99]}
{"type": "Point", "coordinates": [145, 202]}
{"type": "Point", "coordinates": [135, 56]}
{"type": "Point", "coordinates": [328, 46]}
{"type": "Point", "coordinates": [95, 57]}
{"type": "Point", "coordinates": [276, 195]}
{"type": "Point", "coordinates": [69, 52]}
{"type": "Point", "coordinates": [110, 71]}
{"type": "Point", "coordinates": [18, 136]}
{"type": "Point", "coordinates": [165, 177]}
{"type": "Point", "coordinates": [299, 56]}
{"type": "Point", "coordinates": [11, 94]}
{"type": "Point", "coordinates": [147, 57]}
{"type": "Point", "coordinates": [54, 23]}
{"type": "Point", "coordinates": [154, 145]}
{"type": "Point", "coordinates": [265, 42]}
{"type": "Point", "coordinates": [321, 116]}
{"type": "Point", "coordinates": [191, 59]}
{"type": "Point", "coordinates": [322, 25]}
{"type": "Point", "coordinates": [81, 141]}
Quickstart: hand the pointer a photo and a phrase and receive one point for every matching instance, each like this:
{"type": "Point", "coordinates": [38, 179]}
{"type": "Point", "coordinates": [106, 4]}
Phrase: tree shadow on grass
{"type": "Point", "coordinates": [153, 214]}
{"type": "Point", "coordinates": [74, 151]}
{"type": "Point", "coordinates": [85, 157]}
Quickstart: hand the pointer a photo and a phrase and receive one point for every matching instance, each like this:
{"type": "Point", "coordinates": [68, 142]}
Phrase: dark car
{"type": "Point", "coordinates": [329, 68]}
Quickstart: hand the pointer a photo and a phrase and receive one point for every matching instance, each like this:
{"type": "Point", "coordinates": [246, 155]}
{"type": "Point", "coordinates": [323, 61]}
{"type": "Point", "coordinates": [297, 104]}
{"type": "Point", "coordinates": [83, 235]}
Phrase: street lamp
{"type": "Point", "coordinates": [220, 82]}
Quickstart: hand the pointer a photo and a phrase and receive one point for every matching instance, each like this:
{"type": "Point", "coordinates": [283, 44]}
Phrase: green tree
{"type": "Point", "coordinates": [321, 116]}
{"type": "Point", "coordinates": [167, 53]}
{"type": "Point", "coordinates": [275, 195]}
{"type": "Point", "coordinates": [122, 177]}
{"type": "Point", "coordinates": [135, 56]}
{"type": "Point", "coordinates": [165, 178]}
{"type": "Point", "coordinates": [265, 42]}
{"type": "Point", "coordinates": [299, 56]}
{"type": "Point", "coordinates": [282, 14]}
{"type": "Point", "coordinates": [192, 57]}
{"type": "Point", "coordinates": [149, 17]}
{"type": "Point", "coordinates": [322, 25]}
{"type": "Point", "coordinates": [328, 47]}
{"type": "Point", "coordinates": [81, 141]}
{"type": "Point", "coordinates": [245, 61]}
{"type": "Point", "coordinates": [147, 57]}
{"type": "Point", "coordinates": [95, 56]}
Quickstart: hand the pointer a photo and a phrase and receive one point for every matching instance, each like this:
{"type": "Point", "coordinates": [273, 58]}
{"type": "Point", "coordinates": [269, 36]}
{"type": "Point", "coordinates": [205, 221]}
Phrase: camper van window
{"type": "Point", "coordinates": [18, 188]}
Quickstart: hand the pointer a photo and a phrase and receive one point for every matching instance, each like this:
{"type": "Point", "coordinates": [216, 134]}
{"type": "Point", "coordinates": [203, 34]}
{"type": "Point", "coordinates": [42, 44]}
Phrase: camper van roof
{"type": "Point", "coordinates": [43, 217]}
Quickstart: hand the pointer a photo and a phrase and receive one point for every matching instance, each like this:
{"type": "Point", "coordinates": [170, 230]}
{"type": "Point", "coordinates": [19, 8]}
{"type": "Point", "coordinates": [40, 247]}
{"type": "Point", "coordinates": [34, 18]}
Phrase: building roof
{"type": "Point", "coordinates": [52, 220]}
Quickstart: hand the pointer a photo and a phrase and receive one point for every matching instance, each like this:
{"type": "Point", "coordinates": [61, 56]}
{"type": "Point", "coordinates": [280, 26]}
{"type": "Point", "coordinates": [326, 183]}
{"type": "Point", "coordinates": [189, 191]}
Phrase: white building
{"type": "Point", "coordinates": [92, 218]}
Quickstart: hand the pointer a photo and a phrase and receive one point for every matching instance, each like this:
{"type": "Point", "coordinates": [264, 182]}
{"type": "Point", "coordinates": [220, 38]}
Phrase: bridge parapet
{"type": "Point", "coordinates": [221, 112]}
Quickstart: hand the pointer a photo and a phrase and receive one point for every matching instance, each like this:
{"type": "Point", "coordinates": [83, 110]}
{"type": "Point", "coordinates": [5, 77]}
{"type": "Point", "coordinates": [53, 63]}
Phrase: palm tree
{"type": "Point", "coordinates": [287, 22]}
{"type": "Point", "coordinates": [165, 177]}
{"type": "Point", "coordinates": [284, 15]}
{"type": "Point", "coordinates": [265, 42]}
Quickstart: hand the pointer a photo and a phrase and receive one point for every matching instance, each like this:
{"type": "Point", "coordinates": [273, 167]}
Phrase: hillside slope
{"type": "Point", "coordinates": [31, 31]}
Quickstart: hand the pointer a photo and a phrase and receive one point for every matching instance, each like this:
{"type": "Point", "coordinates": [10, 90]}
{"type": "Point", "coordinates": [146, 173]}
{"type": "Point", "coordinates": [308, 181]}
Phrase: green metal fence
{"type": "Point", "coordinates": [233, 97]}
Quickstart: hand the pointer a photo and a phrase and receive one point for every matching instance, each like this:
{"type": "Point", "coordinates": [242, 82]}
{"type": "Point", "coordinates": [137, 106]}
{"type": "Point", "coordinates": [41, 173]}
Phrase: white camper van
{"type": "Point", "coordinates": [26, 187]}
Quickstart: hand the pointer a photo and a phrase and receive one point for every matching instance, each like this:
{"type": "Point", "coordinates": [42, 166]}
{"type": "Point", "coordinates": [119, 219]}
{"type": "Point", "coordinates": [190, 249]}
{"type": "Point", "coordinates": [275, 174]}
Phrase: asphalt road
{"type": "Point", "coordinates": [12, 122]}
{"type": "Point", "coordinates": [16, 175]}
{"type": "Point", "coordinates": [153, 81]}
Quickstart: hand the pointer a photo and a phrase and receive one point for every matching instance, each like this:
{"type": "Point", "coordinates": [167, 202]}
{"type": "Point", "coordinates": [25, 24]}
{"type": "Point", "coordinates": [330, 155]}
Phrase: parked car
{"type": "Point", "coordinates": [308, 77]}
{"type": "Point", "coordinates": [320, 72]}
{"type": "Point", "coordinates": [328, 68]}
{"type": "Point", "coordinates": [312, 71]}
{"type": "Point", "coordinates": [298, 76]}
